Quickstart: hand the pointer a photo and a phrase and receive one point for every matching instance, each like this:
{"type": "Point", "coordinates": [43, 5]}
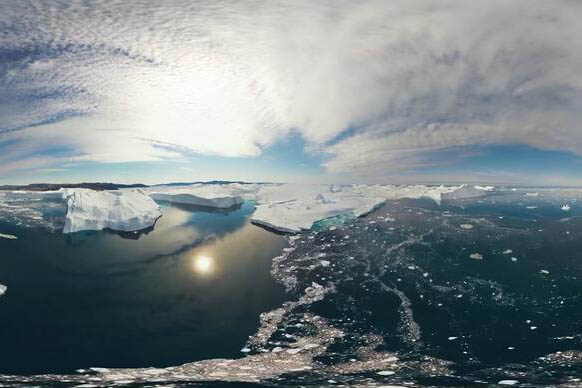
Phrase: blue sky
{"type": "Point", "coordinates": [334, 91]}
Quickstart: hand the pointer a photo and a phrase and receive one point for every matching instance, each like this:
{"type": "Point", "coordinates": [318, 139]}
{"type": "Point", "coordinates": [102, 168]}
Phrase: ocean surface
{"type": "Point", "coordinates": [477, 292]}
{"type": "Point", "coordinates": [190, 289]}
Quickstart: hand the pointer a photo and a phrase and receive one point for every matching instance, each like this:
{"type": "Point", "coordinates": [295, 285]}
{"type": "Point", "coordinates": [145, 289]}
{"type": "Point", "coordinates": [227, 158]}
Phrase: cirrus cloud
{"type": "Point", "coordinates": [375, 85]}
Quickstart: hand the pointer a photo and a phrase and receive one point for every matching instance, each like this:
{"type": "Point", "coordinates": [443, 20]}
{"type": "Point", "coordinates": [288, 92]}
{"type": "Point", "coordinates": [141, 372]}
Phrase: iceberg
{"type": "Point", "coordinates": [191, 199]}
{"type": "Point", "coordinates": [485, 188]}
{"type": "Point", "coordinates": [3, 289]}
{"type": "Point", "coordinates": [120, 210]}
{"type": "Point", "coordinates": [464, 192]}
{"type": "Point", "coordinates": [8, 236]}
{"type": "Point", "coordinates": [283, 207]}
{"type": "Point", "coordinates": [220, 196]}
{"type": "Point", "coordinates": [295, 207]}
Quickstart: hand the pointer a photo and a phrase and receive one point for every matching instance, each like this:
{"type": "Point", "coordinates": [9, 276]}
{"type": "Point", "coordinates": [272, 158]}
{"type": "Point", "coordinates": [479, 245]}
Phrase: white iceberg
{"type": "Point", "coordinates": [120, 210]}
{"type": "Point", "coordinates": [208, 195]}
{"type": "Point", "coordinates": [485, 188]}
{"type": "Point", "coordinates": [295, 207]}
{"type": "Point", "coordinates": [508, 382]}
{"type": "Point", "coordinates": [191, 199]}
{"type": "Point", "coordinates": [3, 289]}
{"type": "Point", "coordinates": [8, 236]}
{"type": "Point", "coordinates": [283, 207]}
{"type": "Point", "coordinates": [464, 192]}
{"type": "Point", "coordinates": [565, 208]}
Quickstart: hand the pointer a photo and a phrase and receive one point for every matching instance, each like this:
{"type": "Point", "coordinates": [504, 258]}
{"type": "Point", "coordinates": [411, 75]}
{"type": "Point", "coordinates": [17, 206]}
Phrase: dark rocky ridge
{"type": "Point", "coordinates": [57, 186]}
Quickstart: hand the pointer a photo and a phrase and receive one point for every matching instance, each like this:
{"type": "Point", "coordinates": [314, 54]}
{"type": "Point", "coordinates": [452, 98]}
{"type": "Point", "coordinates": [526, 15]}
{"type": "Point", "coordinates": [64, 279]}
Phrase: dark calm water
{"type": "Point", "coordinates": [190, 289]}
{"type": "Point", "coordinates": [466, 293]}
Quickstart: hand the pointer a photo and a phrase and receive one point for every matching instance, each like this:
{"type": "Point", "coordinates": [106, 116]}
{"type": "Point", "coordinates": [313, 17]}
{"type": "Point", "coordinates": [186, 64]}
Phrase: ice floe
{"type": "Point", "coordinates": [508, 382]}
{"type": "Point", "coordinates": [3, 289]}
{"type": "Point", "coordinates": [8, 236]}
{"type": "Point", "coordinates": [565, 208]}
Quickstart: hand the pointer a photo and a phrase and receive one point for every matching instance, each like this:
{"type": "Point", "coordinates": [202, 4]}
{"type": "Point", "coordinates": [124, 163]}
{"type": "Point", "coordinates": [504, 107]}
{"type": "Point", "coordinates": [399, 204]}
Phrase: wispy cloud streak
{"type": "Point", "coordinates": [376, 85]}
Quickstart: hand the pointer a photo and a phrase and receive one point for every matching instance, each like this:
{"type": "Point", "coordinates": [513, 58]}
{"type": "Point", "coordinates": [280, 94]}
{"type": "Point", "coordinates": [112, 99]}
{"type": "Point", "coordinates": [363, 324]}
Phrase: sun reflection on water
{"type": "Point", "coordinates": [203, 264]}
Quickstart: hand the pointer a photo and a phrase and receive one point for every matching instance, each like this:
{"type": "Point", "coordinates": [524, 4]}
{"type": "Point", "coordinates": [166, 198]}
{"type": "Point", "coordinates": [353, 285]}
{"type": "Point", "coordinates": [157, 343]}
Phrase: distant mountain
{"type": "Point", "coordinates": [57, 186]}
{"type": "Point", "coordinates": [206, 183]}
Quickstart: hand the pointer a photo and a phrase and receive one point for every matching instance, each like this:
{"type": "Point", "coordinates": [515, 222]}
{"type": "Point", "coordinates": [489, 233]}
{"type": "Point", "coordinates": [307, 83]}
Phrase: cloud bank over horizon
{"type": "Point", "coordinates": [373, 87]}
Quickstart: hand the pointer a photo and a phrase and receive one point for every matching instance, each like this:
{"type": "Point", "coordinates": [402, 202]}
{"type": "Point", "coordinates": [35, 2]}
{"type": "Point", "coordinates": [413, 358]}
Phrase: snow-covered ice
{"type": "Point", "coordinates": [121, 210]}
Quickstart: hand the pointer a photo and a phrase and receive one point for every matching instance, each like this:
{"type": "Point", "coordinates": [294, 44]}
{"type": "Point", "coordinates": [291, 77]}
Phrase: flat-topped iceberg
{"type": "Point", "coordinates": [216, 196]}
{"type": "Point", "coordinates": [295, 207]}
{"type": "Point", "coordinates": [464, 191]}
{"type": "Point", "coordinates": [120, 210]}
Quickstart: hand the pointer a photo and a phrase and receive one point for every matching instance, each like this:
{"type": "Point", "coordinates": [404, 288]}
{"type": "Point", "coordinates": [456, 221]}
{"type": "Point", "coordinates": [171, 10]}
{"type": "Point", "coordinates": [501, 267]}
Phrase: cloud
{"type": "Point", "coordinates": [378, 86]}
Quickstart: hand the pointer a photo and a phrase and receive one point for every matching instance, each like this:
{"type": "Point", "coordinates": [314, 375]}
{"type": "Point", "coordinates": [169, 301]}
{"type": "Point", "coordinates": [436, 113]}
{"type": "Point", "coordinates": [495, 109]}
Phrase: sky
{"type": "Point", "coordinates": [399, 91]}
